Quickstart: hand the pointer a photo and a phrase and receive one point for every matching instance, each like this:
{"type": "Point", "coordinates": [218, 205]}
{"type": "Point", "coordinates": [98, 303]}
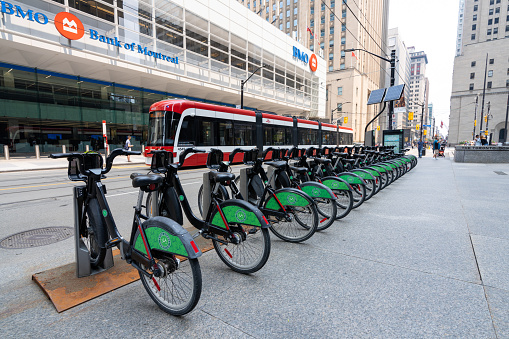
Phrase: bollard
{"type": "Point", "coordinates": [6, 152]}
{"type": "Point", "coordinates": [37, 152]}
{"type": "Point", "coordinates": [63, 148]}
{"type": "Point", "coordinates": [87, 148]}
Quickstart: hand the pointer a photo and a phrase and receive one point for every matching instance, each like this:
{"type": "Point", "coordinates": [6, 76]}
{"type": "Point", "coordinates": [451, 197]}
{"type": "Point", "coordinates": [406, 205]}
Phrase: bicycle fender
{"type": "Point", "coordinates": [289, 197]}
{"type": "Point", "coordinates": [173, 206]}
{"type": "Point", "coordinates": [351, 178]}
{"type": "Point", "coordinates": [335, 183]}
{"type": "Point", "coordinates": [167, 235]}
{"type": "Point", "coordinates": [317, 190]}
{"type": "Point", "coordinates": [379, 168]}
{"type": "Point", "coordinates": [372, 171]}
{"type": "Point", "coordinates": [239, 211]}
{"type": "Point", "coordinates": [363, 174]}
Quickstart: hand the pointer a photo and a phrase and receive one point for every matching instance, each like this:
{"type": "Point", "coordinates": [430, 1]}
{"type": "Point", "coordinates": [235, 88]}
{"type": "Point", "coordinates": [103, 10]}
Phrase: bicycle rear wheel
{"type": "Point", "coordinates": [359, 194]}
{"type": "Point", "coordinates": [250, 254]}
{"type": "Point", "coordinates": [177, 289]}
{"type": "Point", "coordinates": [344, 202]}
{"type": "Point", "coordinates": [94, 234]}
{"type": "Point", "coordinates": [327, 210]}
{"type": "Point", "coordinates": [301, 225]}
{"type": "Point", "coordinates": [370, 188]}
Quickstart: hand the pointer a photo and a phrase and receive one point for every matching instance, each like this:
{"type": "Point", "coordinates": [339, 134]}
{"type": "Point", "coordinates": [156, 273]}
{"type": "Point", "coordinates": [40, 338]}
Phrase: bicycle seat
{"type": "Point", "coordinates": [147, 183]}
{"type": "Point", "coordinates": [299, 169]}
{"type": "Point", "coordinates": [359, 155]}
{"type": "Point", "coordinates": [277, 164]}
{"type": "Point", "coordinates": [349, 160]}
{"type": "Point", "coordinates": [341, 155]}
{"type": "Point", "coordinates": [221, 177]}
{"type": "Point", "coordinates": [134, 175]}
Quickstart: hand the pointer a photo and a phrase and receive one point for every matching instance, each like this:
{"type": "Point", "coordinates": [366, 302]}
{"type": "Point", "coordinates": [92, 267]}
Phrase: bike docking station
{"type": "Point", "coordinates": [76, 283]}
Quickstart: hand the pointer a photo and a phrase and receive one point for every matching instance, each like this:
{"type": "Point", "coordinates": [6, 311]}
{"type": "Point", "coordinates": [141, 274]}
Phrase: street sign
{"type": "Point", "coordinates": [426, 125]}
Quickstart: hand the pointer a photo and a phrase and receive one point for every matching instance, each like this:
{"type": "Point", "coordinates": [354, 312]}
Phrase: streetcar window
{"type": "Point", "coordinates": [206, 133]}
{"type": "Point", "coordinates": [308, 136]}
{"type": "Point", "coordinates": [226, 133]}
{"type": "Point", "coordinates": [244, 133]}
{"type": "Point", "coordinates": [163, 128]}
{"type": "Point", "coordinates": [186, 136]}
{"type": "Point", "coordinates": [328, 138]}
{"type": "Point", "coordinates": [277, 135]}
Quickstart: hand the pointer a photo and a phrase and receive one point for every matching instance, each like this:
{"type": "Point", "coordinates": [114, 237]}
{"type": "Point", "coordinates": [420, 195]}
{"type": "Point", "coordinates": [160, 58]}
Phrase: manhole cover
{"type": "Point", "coordinates": [37, 237]}
{"type": "Point", "coordinates": [500, 173]}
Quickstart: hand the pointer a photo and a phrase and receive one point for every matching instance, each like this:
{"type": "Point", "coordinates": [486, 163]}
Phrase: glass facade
{"type": "Point", "coordinates": [53, 109]}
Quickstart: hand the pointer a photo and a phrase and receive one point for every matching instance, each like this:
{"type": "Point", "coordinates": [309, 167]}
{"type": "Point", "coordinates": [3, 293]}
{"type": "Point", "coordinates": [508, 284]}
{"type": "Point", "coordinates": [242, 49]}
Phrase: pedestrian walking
{"type": "Point", "coordinates": [477, 140]}
{"type": "Point", "coordinates": [420, 144]}
{"type": "Point", "coordinates": [436, 148]}
{"type": "Point", "coordinates": [128, 147]}
{"type": "Point", "coordinates": [484, 142]}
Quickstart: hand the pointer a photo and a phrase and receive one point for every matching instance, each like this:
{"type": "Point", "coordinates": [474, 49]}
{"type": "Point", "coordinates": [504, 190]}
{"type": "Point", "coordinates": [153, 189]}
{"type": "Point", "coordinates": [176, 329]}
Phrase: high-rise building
{"type": "Point", "coordinates": [329, 28]}
{"type": "Point", "coordinates": [481, 72]}
{"type": "Point", "coordinates": [402, 76]}
{"type": "Point", "coordinates": [419, 92]}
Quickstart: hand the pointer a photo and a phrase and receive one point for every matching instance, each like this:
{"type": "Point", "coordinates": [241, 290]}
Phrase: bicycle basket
{"type": "Point", "coordinates": [214, 159]}
{"type": "Point", "coordinates": [90, 161]}
{"type": "Point", "coordinates": [160, 160]}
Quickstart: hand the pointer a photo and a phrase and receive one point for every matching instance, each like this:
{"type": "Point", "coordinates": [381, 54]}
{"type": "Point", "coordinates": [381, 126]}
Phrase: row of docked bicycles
{"type": "Point", "coordinates": [291, 192]}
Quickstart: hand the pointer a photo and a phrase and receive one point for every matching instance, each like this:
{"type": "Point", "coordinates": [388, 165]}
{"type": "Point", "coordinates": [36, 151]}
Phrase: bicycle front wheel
{"type": "Point", "coordinates": [359, 194]}
{"type": "Point", "coordinates": [299, 225]}
{"type": "Point", "coordinates": [344, 202]}
{"type": "Point", "coordinates": [250, 251]}
{"type": "Point", "coordinates": [94, 234]}
{"type": "Point", "coordinates": [178, 287]}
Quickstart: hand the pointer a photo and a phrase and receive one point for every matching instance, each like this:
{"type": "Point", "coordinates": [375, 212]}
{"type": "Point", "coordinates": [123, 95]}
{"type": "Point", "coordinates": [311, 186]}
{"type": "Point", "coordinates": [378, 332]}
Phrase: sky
{"type": "Point", "coordinates": [431, 26]}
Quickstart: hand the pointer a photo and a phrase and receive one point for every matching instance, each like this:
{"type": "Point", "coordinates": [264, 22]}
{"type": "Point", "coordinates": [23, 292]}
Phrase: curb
{"type": "Point", "coordinates": [62, 167]}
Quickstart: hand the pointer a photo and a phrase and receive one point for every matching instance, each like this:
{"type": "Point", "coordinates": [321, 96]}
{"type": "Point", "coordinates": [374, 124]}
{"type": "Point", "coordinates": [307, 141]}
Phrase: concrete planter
{"type": "Point", "coordinates": [482, 154]}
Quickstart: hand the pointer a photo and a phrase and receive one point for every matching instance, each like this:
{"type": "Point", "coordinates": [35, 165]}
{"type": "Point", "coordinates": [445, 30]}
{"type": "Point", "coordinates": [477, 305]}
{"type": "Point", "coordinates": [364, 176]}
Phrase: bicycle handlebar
{"type": "Point", "coordinates": [235, 151]}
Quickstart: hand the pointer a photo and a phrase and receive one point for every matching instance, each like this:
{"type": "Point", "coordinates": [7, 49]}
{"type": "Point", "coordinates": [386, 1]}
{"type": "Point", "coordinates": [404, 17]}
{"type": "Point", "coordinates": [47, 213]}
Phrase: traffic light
{"type": "Point", "coordinates": [486, 133]}
{"type": "Point", "coordinates": [417, 127]}
{"type": "Point", "coordinates": [425, 132]}
{"type": "Point", "coordinates": [345, 120]}
{"type": "Point", "coordinates": [475, 122]}
{"type": "Point", "coordinates": [410, 115]}
{"type": "Point", "coordinates": [486, 119]}
{"type": "Point", "coordinates": [377, 128]}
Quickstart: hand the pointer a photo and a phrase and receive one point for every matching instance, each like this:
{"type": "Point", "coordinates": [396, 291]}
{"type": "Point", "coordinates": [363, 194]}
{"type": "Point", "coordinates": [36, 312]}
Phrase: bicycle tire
{"type": "Point", "coordinates": [359, 194]}
{"type": "Point", "coordinates": [344, 202]}
{"type": "Point", "coordinates": [200, 200]}
{"type": "Point", "coordinates": [95, 235]}
{"type": "Point", "coordinates": [370, 188]}
{"type": "Point", "coordinates": [251, 254]}
{"type": "Point", "coordinates": [299, 228]}
{"type": "Point", "coordinates": [170, 297]}
{"type": "Point", "coordinates": [327, 210]}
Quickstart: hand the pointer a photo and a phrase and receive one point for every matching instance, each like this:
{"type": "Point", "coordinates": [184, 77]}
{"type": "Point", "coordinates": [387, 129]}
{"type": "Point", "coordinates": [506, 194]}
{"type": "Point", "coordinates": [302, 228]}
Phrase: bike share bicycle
{"type": "Point", "coordinates": [164, 254]}
{"type": "Point", "coordinates": [292, 213]}
{"type": "Point", "coordinates": [237, 229]}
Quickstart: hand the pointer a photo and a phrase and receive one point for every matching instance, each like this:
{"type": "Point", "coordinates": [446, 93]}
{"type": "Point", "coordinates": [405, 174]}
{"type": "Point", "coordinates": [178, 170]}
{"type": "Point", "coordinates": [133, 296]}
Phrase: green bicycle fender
{"type": "Point", "coordinates": [380, 169]}
{"type": "Point", "coordinates": [372, 171]}
{"type": "Point", "coordinates": [351, 178]}
{"type": "Point", "coordinates": [317, 190]}
{"type": "Point", "coordinates": [364, 174]}
{"type": "Point", "coordinates": [167, 235]}
{"type": "Point", "coordinates": [239, 211]}
{"type": "Point", "coordinates": [335, 183]}
{"type": "Point", "coordinates": [288, 197]}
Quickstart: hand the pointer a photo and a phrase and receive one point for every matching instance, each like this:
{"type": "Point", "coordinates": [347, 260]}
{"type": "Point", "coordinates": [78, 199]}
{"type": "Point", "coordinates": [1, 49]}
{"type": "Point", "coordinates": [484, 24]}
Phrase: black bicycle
{"type": "Point", "coordinates": [164, 254]}
{"type": "Point", "coordinates": [238, 230]}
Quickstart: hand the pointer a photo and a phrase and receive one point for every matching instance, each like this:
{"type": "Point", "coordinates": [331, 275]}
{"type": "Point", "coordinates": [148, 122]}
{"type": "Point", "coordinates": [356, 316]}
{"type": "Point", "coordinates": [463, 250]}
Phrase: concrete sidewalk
{"type": "Point", "coordinates": [425, 258]}
{"type": "Point", "coordinates": [15, 164]}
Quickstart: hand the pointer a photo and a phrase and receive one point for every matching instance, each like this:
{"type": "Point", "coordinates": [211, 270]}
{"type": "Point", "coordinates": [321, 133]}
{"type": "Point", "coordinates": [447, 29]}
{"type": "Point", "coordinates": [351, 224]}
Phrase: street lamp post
{"type": "Point", "coordinates": [392, 61]}
{"type": "Point", "coordinates": [242, 83]}
{"type": "Point", "coordinates": [336, 109]}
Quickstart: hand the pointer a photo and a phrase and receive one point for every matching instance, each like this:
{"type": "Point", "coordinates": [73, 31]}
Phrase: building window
{"type": "Point", "coordinates": [322, 45]}
{"type": "Point", "coordinates": [312, 10]}
{"type": "Point", "coordinates": [295, 11]}
{"type": "Point", "coordinates": [475, 8]}
{"type": "Point", "coordinates": [474, 17]}
{"type": "Point", "coordinates": [496, 20]}
{"type": "Point", "coordinates": [490, 11]}
{"type": "Point", "coordinates": [295, 22]}
{"type": "Point", "coordinates": [343, 28]}
{"type": "Point", "coordinates": [288, 24]}
{"type": "Point", "coordinates": [322, 20]}
{"type": "Point", "coordinates": [332, 30]}
{"type": "Point", "coordinates": [332, 3]}
{"type": "Point", "coordinates": [474, 26]}
{"type": "Point", "coordinates": [342, 54]}
{"type": "Point", "coordinates": [332, 17]}
{"type": "Point", "coordinates": [507, 28]}
{"type": "Point", "coordinates": [331, 68]}
{"type": "Point", "coordinates": [471, 38]}
{"type": "Point", "coordinates": [490, 73]}
{"type": "Point", "coordinates": [343, 41]}
{"type": "Point", "coordinates": [312, 23]}
{"type": "Point", "coordinates": [340, 90]}
{"type": "Point", "coordinates": [343, 14]}
{"type": "Point", "coordinates": [492, 2]}
{"type": "Point", "coordinates": [472, 75]}
{"type": "Point", "coordinates": [287, 13]}
{"type": "Point", "coordinates": [472, 64]}
{"type": "Point", "coordinates": [492, 61]}
{"type": "Point", "coordinates": [490, 21]}
{"type": "Point", "coordinates": [507, 83]}
{"type": "Point", "coordinates": [322, 32]}
{"type": "Point", "coordinates": [471, 87]}
{"type": "Point", "coordinates": [342, 66]}
{"type": "Point", "coordinates": [495, 30]}
{"type": "Point", "coordinates": [497, 10]}
{"type": "Point", "coordinates": [489, 31]}
{"type": "Point", "coordinates": [331, 43]}
{"type": "Point", "coordinates": [331, 56]}
{"type": "Point", "coordinates": [312, 47]}
{"type": "Point", "coordinates": [488, 85]}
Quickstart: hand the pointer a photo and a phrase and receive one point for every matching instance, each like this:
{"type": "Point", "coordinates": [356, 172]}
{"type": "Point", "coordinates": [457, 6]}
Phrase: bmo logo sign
{"type": "Point", "coordinates": [312, 61]}
{"type": "Point", "coordinates": [69, 26]}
